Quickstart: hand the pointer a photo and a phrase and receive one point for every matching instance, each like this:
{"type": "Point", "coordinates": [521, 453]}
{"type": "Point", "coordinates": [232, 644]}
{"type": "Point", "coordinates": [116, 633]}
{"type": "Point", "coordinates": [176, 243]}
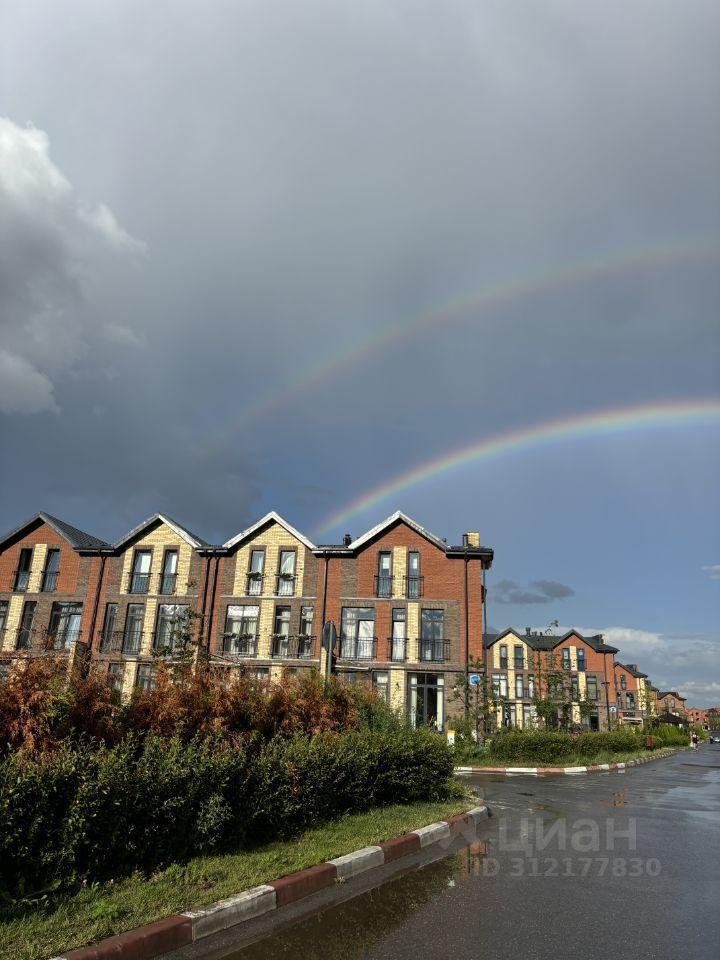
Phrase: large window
{"type": "Point", "coordinates": [413, 586]}
{"type": "Point", "coordinates": [305, 640]}
{"type": "Point", "coordinates": [255, 573]}
{"type": "Point", "coordinates": [281, 632]}
{"type": "Point", "coordinates": [383, 581]}
{"type": "Point", "coordinates": [286, 574]}
{"type": "Point", "coordinates": [168, 577]}
{"type": "Point", "coordinates": [140, 575]}
{"type": "Point", "coordinates": [116, 675]}
{"type": "Point", "coordinates": [25, 630]}
{"type": "Point", "coordinates": [398, 640]}
{"type": "Point", "coordinates": [241, 626]}
{"type": "Point", "coordinates": [426, 700]}
{"type": "Point", "coordinates": [381, 684]}
{"type": "Point", "coordinates": [22, 574]}
{"type": "Point", "coordinates": [132, 634]}
{"type": "Point", "coordinates": [581, 661]}
{"type": "Point", "coordinates": [432, 635]}
{"type": "Point", "coordinates": [500, 685]}
{"type": "Point", "coordinates": [566, 658]}
{"type": "Point", "coordinates": [518, 657]}
{"type": "Point", "coordinates": [531, 685]}
{"type": "Point", "coordinates": [591, 688]}
{"type": "Point", "coordinates": [50, 573]}
{"type": "Point", "coordinates": [518, 686]}
{"type": "Point", "coordinates": [171, 628]}
{"type": "Point", "coordinates": [503, 657]}
{"type": "Point", "coordinates": [144, 678]}
{"type": "Point", "coordinates": [3, 617]}
{"type": "Point", "coordinates": [64, 627]}
{"type": "Point", "coordinates": [357, 633]}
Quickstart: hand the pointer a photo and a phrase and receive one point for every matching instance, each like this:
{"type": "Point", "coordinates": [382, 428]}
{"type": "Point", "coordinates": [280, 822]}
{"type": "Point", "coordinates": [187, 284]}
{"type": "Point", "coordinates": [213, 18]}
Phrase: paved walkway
{"type": "Point", "coordinates": [549, 885]}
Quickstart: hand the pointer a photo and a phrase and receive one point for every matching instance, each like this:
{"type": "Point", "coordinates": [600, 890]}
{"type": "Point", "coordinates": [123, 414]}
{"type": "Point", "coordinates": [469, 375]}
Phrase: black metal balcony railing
{"type": "Point", "coordinates": [27, 637]}
{"type": "Point", "coordinates": [21, 580]}
{"type": "Point", "coordinates": [139, 583]}
{"type": "Point", "coordinates": [49, 581]}
{"type": "Point", "coordinates": [237, 646]}
{"type": "Point", "coordinates": [254, 584]}
{"type": "Point", "coordinates": [285, 585]}
{"type": "Point", "coordinates": [61, 639]}
{"type": "Point", "coordinates": [34, 641]}
{"type": "Point", "coordinates": [167, 583]}
{"type": "Point", "coordinates": [355, 649]}
{"type": "Point", "coordinates": [414, 587]}
{"type": "Point", "coordinates": [131, 642]}
{"type": "Point", "coordinates": [291, 648]}
{"type": "Point", "coordinates": [503, 663]}
{"type": "Point", "coordinates": [109, 641]}
{"type": "Point", "coordinates": [434, 651]}
{"type": "Point", "coordinates": [397, 649]}
{"type": "Point", "coordinates": [518, 664]}
{"type": "Point", "coordinates": [383, 585]}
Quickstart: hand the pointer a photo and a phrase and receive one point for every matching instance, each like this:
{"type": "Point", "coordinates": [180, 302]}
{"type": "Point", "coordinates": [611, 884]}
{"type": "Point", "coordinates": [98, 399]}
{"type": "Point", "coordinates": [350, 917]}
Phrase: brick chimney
{"type": "Point", "coordinates": [472, 539]}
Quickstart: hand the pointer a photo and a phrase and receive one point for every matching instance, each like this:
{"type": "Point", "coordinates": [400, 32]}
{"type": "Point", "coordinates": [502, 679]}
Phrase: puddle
{"type": "Point", "coordinates": [349, 929]}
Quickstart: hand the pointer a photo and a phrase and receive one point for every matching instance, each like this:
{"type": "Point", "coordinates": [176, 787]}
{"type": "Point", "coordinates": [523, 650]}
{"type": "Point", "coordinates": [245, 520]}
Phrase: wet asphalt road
{"type": "Point", "coordinates": [602, 865]}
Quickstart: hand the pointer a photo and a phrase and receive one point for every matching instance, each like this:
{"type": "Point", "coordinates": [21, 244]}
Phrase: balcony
{"type": "Point", "coordinates": [131, 642]}
{"type": "Point", "coordinates": [21, 581]}
{"type": "Point", "coordinates": [167, 583]}
{"type": "Point", "coordinates": [413, 587]}
{"type": "Point", "coordinates": [49, 581]}
{"type": "Point", "coordinates": [61, 639]}
{"type": "Point", "coordinates": [397, 649]}
{"type": "Point", "coordinates": [239, 646]}
{"type": "Point", "coordinates": [139, 583]}
{"type": "Point", "coordinates": [383, 586]}
{"type": "Point", "coordinates": [291, 648]}
{"type": "Point", "coordinates": [36, 642]}
{"type": "Point", "coordinates": [352, 649]}
{"type": "Point", "coordinates": [285, 585]}
{"type": "Point", "coordinates": [434, 651]}
{"type": "Point", "coordinates": [254, 586]}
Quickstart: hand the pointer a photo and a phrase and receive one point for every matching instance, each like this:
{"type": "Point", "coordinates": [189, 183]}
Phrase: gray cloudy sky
{"type": "Point", "coordinates": [200, 203]}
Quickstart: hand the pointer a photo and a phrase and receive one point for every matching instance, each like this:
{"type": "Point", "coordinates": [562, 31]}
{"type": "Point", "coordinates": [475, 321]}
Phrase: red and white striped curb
{"type": "Point", "coordinates": [547, 771]}
{"type": "Point", "coordinates": [170, 933]}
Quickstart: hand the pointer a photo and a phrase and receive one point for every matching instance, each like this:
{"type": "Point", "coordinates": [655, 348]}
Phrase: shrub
{"type": "Point", "coordinates": [532, 746]}
{"type": "Point", "coordinates": [668, 735]}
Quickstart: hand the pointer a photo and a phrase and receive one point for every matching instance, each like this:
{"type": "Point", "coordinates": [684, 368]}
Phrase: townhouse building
{"type": "Point", "coordinates": [575, 670]}
{"type": "Point", "coordinates": [406, 609]}
{"type": "Point", "coordinates": [671, 704]}
{"type": "Point", "coordinates": [698, 717]}
{"type": "Point", "coordinates": [634, 701]}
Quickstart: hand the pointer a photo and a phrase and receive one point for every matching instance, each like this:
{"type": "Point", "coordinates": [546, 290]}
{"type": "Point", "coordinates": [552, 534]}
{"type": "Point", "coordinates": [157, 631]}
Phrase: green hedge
{"type": "Point", "coordinates": [91, 813]}
{"type": "Point", "coordinates": [546, 747]}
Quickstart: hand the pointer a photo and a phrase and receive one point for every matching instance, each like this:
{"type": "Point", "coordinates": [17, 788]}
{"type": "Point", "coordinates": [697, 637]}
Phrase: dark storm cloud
{"type": "Point", "coordinates": [508, 591]}
{"type": "Point", "coordinates": [552, 589]}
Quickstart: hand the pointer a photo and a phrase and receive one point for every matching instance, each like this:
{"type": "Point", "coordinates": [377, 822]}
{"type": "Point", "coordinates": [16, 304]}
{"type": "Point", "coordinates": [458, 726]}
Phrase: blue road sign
{"type": "Point", "coordinates": [474, 679]}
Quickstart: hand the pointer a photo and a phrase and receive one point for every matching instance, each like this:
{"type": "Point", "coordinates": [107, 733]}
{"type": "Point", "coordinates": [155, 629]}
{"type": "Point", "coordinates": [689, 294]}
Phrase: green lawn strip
{"type": "Point", "coordinates": [571, 760]}
{"type": "Point", "coordinates": [100, 911]}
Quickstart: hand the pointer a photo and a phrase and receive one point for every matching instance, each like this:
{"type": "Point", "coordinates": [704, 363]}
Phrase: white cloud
{"type": "Point", "coordinates": [53, 248]}
{"type": "Point", "coordinates": [712, 570]}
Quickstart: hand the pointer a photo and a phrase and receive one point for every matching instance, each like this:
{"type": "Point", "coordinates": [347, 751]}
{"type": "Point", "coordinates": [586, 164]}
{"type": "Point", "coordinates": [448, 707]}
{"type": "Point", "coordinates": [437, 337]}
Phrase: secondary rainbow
{"type": "Point", "coordinates": [607, 421]}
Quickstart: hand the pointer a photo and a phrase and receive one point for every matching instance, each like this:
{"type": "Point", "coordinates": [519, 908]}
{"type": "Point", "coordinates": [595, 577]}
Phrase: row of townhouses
{"type": "Point", "coordinates": [406, 608]}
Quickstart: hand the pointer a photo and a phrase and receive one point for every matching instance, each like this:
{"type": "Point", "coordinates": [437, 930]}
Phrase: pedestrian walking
{"type": "Point", "coordinates": [694, 740]}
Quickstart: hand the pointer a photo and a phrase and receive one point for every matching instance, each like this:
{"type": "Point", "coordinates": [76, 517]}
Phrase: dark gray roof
{"type": "Point", "coordinates": [78, 539]}
{"type": "Point", "coordinates": [670, 693]}
{"type": "Point", "coordinates": [548, 641]}
{"type": "Point", "coordinates": [631, 670]}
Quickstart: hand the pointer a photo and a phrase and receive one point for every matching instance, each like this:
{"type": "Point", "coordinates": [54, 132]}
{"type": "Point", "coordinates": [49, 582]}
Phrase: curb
{"type": "Point", "coordinates": [162, 936]}
{"type": "Point", "coordinates": [571, 771]}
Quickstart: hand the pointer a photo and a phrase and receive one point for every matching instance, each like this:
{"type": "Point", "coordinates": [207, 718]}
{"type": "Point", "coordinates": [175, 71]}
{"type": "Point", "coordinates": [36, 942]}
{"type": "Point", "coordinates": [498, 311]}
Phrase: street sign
{"type": "Point", "coordinates": [474, 679]}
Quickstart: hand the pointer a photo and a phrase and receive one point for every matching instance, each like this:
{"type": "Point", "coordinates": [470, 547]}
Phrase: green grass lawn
{"type": "Point", "coordinates": [99, 911]}
{"type": "Point", "coordinates": [572, 760]}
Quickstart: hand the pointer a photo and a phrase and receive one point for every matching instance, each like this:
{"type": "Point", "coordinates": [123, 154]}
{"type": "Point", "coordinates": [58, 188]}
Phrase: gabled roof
{"type": "Point", "coordinates": [269, 517]}
{"type": "Point", "coordinates": [632, 671]}
{"type": "Point", "coordinates": [670, 693]}
{"type": "Point", "coordinates": [546, 641]}
{"type": "Point", "coordinates": [78, 539]}
{"type": "Point", "coordinates": [396, 517]}
{"type": "Point", "coordinates": [183, 532]}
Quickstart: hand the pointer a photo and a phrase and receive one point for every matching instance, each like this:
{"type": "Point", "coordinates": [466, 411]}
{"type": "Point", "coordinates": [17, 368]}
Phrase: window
{"type": "Point", "coordinates": [414, 580]}
{"type": "Point", "coordinates": [508, 715]}
{"type": "Point", "coordinates": [581, 661]}
{"type": "Point", "coordinates": [383, 581]}
{"type": "Point", "coordinates": [531, 685]}
{"type": "Point", "coordinates": [3, 616]}
{"type": "Point", "coordinates": [132, 635]}
{"type": "Point", "coordinates": [623, 682]}
{"type": "Point", "coordinates": [281, 632]}
{"type": "Point", "coordinates": [145, 678]}
{"type": "Point", "coordinates": [168, 577]}
{"type": "Point", "coordinates": [171, 627]}
{"type": "Point", "coordinates": [116, 672]}
{"type": "Point", "coordinates": [64, 627]}
{"type": "Point", "coordinates": [426, 700]}
{"type": "Point", "coordinates": [574, 690]}
{"type": "Point", "coordinates": [529, 716]}
{"type": "Point", "coordinates": [108, 628]}
{"type": "Point", "coordinates": [305, 640]}
{"type": "Point", "coordinates": [52, 565]}
{"type": "Point", "coordinates": [398, 639]}
{"type": "Point", "coordinates": [241, 626]}
{"type": "Point", "coordinates": [357, 633]}
{"type": "Point", "coordinates": [260, 673]}
{"type": "Point", "coordinates": [286, 574]}
{"type": "Point", "coordinates": [566, 658]}
{"type": "Point", "coordinates": [255, 573]}
{"type": "Point", "coordinates": [518, 686]}
{"type": "Point", "coordinates": [518, 657]}
{"type": "Point", "coordinates": [619, 701]}
{"type": "Point", "coordinates": [381, 684]}
{"type": "Point", "coordinates": [140, 576]}
{"type": "Point", "coordinates": [432, 629]}
{"type": "Point", "coordinates": [22, 574]}
{"type": "Point", "coordinates": [25, 630]}
{"type": "Point", "coordinates": [500, 687]}
{"type": "Point", "coordinates": [591, 688]}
